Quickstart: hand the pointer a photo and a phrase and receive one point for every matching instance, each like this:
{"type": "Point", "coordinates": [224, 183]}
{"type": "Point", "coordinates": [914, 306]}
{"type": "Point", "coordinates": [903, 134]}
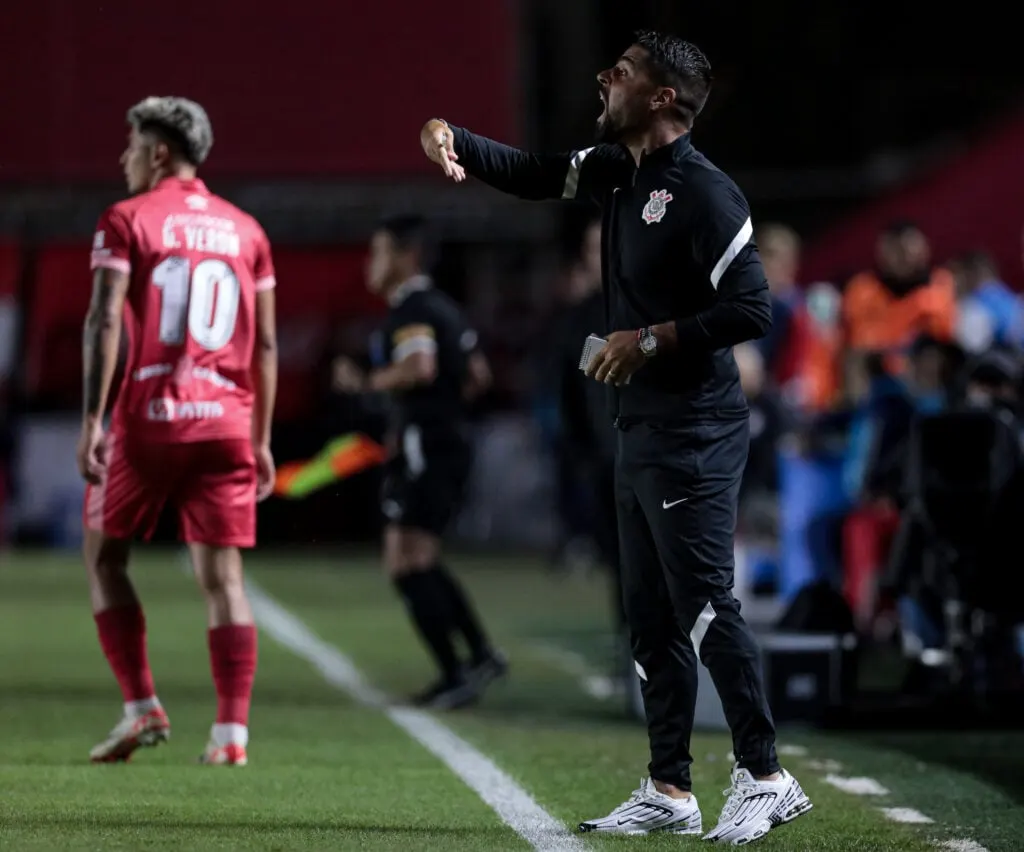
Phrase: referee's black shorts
{"type": "Point", "coordinates": [425, 482]}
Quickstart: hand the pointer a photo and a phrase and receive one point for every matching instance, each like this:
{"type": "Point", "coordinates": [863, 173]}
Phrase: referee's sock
{"type": "Point", "coordinates": [426, 598]}
{"type": "Point", "coordinates": [463, 615]}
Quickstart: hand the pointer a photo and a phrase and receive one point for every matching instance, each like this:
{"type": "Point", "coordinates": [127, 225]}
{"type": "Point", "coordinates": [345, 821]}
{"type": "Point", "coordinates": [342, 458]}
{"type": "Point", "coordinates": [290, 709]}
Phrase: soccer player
{"type": "Point", "coordinates": [683, 285]}
{"type": "Point", "coordinates": [191, 278]}
{"type": "Point", "coordinates": [428, 361]}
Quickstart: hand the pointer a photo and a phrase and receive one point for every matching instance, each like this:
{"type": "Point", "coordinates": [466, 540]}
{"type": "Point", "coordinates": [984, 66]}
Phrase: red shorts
{"type": "Point", "coordinates": [212, 484]}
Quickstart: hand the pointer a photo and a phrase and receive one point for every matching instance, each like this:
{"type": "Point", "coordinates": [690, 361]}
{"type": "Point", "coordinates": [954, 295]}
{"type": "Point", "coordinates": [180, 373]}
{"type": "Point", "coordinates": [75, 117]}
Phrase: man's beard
{"type": "Point", "coordinates": [617, 128]}
{"type": "Point", "coordinates": [608, 131]}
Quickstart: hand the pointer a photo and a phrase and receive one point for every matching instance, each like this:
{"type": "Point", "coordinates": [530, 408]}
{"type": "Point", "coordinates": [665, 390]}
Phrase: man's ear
{"type": "Point", "coordinates": [159, 154]}
{"type": "Point", "coordinates": [664, 97]}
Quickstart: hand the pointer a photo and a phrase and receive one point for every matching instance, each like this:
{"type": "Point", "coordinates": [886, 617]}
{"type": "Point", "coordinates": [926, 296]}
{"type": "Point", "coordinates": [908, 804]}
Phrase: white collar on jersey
{"type": "Point", "coordinates": [411, 285]}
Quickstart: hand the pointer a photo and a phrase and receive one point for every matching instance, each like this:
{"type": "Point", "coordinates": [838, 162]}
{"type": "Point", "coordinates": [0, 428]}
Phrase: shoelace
{"type": "Point", "coordinates": [635, 797]}
{"type": "Point", "coordinates": [736, 793]}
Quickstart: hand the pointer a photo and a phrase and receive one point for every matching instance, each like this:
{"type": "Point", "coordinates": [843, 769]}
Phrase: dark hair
{"type": "Point", "coordinates": [407, 230]}
{"type": "Point", "coordinates": [681, 66]}
{"type": "Point", "coordinates": [410, 232]}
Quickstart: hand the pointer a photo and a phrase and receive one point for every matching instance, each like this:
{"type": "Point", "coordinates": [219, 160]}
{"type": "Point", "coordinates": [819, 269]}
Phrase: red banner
{"type": "Point", "coordinates": [309, 87]}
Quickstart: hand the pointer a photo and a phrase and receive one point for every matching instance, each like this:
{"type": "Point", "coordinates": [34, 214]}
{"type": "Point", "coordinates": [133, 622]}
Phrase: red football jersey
{"type": "Point", "coordinates": [196, 263]}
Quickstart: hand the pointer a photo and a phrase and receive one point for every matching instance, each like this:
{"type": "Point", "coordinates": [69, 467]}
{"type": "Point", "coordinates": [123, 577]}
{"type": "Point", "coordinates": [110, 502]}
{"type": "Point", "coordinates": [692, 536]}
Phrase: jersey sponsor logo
{"type": "Point", "coordinates": [152, 371]}
{"type": "Point", "coordinates": [213, 377]}
{"type": "Point", "coordinates": [160, 410]}
{"type": "Point", "coordinates": [185, 371]}
{"type": "Point", "coordinates": [165, 410]}
{"type": "Point", "coordinates": [654, 209]}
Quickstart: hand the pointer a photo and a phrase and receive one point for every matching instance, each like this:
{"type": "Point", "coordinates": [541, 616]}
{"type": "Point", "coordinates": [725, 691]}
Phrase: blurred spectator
{"type": "Point", "coordinates": [779, 247]}
{"type": "Point", "coordinates": [932, 372]}
{"type": "Point", "coordinates": [759, 489]}
{"type": "Point", "coordinates": [878, 414]}
{"type": "Point", "coordinates": [886, 308]}
{"type": "Point", "coordinates": [589, 434]}
{"type": "Point", "coordinates": [994, 381]}
{"type": "Point", "coordinates": [990, 313]}
{"type": "Point", "coordinates": [875, 472]}
{"type": "Point", "coordinates": [818, 377]}
{"type": "Point", "coordinates": [975, 539]}
{"type": "Point", "coordinates": [581, 436]}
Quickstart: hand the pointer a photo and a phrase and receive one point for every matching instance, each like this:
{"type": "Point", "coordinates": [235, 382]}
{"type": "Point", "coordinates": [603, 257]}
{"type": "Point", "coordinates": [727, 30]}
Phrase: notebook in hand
{"type": "Point", "coordinates": [591, 346]}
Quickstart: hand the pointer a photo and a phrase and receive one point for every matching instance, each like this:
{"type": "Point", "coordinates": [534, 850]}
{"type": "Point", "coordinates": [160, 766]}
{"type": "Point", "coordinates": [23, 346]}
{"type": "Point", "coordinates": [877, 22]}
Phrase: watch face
{"type": "Point", "coordinates": [648, 344]}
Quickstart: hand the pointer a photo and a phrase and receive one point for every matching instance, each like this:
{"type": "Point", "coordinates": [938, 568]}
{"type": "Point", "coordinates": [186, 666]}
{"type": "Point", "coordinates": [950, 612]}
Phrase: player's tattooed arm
{"type": "Point", "coordinates": [265, 367]}
{"type": "Point", "coordinates": [101, 336]}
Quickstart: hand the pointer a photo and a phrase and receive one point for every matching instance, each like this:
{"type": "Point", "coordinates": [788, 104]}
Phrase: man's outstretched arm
{"type": "Point", "coordinates": [580, 174]}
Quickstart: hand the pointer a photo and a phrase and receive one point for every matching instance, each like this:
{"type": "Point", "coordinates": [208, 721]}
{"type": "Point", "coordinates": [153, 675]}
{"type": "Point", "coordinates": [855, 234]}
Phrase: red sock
{"type": "Point", "coordinates": [123, 638]}
{"type": "Point", "coordinates": [233, 661]}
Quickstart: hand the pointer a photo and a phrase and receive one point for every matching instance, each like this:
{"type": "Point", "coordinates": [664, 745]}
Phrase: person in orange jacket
{"type": "Point", "coordinates": [886, 308]}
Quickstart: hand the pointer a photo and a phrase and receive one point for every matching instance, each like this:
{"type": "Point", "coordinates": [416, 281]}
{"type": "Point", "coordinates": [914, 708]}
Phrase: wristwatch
{"type": "Point", "coordinates": [647, 342]}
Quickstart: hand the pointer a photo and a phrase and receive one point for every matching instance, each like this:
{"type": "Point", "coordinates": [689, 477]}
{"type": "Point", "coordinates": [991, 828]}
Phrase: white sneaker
{"type": "Point", "coordinates": [131, 733]}
{"type": "Point", "coordinates": [226, 746]}
{"type": "Point", "coordinates": [646, 811]}
{"type": "Point", "coordinates": [755, 807]}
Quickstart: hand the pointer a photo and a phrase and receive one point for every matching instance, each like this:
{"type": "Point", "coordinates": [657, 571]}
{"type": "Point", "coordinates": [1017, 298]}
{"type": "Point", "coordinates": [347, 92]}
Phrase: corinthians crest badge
{"type": "Point", "coordinates": [654, 209]}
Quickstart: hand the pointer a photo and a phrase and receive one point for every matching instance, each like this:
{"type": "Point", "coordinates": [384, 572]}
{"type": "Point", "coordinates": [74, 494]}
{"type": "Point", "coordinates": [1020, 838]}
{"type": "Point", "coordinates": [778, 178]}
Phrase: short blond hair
{"type": "Point", "coordinates": [185, 121]}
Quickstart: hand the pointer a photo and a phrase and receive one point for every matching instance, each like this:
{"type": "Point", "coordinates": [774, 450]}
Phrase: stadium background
{"type": "Point", "coordinates": [833, 127]}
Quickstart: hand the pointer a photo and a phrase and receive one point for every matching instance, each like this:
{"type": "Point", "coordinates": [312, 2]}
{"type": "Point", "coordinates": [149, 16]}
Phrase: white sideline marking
{"type": "Point", "coordinates": [576, 665]}
{"type": "Point", "coordinates": [792, 751]}
{"type": "Point", "coordinates": [961, 846]}
{"type": "Point", "coordinates": [862, 786]}
{"type": "Point", "coordinates": [857, 786]}
{"type": "Point", "coordinates": [511, 802]}
{"type": "Point", "coordinates": [907, 815]}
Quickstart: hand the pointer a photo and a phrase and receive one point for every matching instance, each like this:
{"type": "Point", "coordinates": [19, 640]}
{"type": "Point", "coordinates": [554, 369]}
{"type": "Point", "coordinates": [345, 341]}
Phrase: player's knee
{"type": "Point", "coordinates": [408, 551]}
{"type": "Point", "coordinates": [219, 571]}
{"type": "Point", "coordinates": [402, 566]}
{"type": "Point", "coordinates": [105, 556]}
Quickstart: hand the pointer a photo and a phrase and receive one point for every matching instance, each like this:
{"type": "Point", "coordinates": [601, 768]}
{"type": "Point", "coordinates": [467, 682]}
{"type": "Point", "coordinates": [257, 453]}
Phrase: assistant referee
{"type": "Point", "coordinates": [683, 284]}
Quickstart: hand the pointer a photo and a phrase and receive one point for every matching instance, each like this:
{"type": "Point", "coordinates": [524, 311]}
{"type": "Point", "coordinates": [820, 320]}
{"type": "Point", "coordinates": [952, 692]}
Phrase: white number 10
{"type": "Point", "coordinates": [203, 300]}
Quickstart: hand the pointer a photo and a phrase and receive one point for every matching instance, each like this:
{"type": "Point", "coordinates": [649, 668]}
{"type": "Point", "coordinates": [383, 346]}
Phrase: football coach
{"type": "Point", "coordinates": [683, 284]}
